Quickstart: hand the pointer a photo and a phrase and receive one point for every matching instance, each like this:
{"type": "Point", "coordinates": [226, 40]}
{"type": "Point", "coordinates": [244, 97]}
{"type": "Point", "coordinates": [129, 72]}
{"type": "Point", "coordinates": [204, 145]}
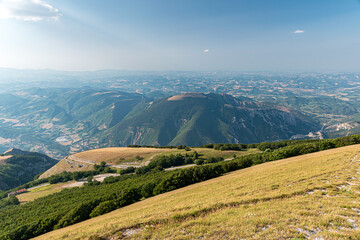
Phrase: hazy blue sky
{"type": "Point", "coordinates": [243, 35]}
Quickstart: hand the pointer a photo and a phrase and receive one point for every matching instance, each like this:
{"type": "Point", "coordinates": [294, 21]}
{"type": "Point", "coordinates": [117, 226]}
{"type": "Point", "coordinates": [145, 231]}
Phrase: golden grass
{"type": "Point", "coordinates": [186, 95]}
{"type": "Point", "coordinates": [4, 158]}
{"type": "Point", "coordinates": [314, 195]}
{"type": "Point", "coordinates": [120, 155]}
{"type": "Point", "coordinates": [64, 165]}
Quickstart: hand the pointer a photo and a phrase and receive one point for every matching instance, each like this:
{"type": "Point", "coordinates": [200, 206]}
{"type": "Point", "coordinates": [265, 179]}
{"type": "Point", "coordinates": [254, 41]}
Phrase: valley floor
{"type": "Point", "coordinates": [313, 196]}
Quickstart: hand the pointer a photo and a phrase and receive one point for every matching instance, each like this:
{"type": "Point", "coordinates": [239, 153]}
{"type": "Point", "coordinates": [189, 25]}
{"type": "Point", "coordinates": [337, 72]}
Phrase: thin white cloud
{"type": "Point", "coordinates": [298, 31]}
{"type": "Point", "coordinates": [28, 10]}
{"type": "Point", "coordinates": [206, 50]}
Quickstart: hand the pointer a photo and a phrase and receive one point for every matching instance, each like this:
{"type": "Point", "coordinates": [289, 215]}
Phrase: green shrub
{"type": "Point", "coordinates": [199, 161]}
{"type": "Point", "coordinates": [103, 208]}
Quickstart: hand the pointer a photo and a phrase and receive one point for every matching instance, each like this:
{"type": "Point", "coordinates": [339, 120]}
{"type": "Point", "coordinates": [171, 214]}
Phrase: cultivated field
{"type": "Point", "coordinates": [123, 157]}
{"type": "Point", "coordinates": [312, 196]}
{"type": "Point", "coordinates": [42, 191]}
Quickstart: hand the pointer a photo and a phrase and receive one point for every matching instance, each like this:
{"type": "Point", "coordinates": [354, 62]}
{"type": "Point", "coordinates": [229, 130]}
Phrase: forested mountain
{"type": "Point", "coordinates": [195, 119]}
{"type": "Point", "coordinates": [62, 121]}
{"type": "Point", "coordinates": [18, 167]}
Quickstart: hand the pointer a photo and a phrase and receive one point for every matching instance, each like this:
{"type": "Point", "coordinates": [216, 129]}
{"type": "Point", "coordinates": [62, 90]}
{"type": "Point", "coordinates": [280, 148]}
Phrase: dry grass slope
{"type": "Point", "coordinates": [186, 95]}
{"type": "Point", "coordinates": [122, 157]}
{"type": "Point", "coordinates": [4, 158]}
{"type": "Point", "coordinates": [310, 196]}
{"type": "Point", "coordinates": [113, 155]}
{"type": "Point", "coordinates": [68, 166]}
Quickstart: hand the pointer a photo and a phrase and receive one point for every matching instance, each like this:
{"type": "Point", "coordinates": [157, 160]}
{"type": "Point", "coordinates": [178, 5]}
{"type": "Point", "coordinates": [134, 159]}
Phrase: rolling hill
{"type": "Point", "coordinates": [18, 167]}
{"type": "Point", "coordinates": [311, 196]}
{"type": "Point", "coordinates": [123, 157]}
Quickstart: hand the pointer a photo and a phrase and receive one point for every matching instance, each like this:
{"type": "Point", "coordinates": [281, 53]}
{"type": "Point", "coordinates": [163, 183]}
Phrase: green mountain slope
{"type": "Point", "coordinates": [196, 119]}
{"type": "Point", "coordinates": [18, 167]}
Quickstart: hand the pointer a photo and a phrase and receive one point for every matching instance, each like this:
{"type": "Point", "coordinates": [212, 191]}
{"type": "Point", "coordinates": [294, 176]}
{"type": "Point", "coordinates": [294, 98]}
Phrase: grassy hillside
{"type": "Point", "coordinates": [74, 205]}
{"type": "Point", "coordinates": [309, 196]}
{"type": "Point", "coordinates": [123, 157]}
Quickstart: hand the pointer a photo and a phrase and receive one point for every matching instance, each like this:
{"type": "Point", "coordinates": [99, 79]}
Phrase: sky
{"type": "Point", "coordinates": [199, 35]}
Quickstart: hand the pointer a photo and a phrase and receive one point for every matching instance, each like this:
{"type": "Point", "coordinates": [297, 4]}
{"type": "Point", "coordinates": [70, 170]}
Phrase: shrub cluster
{"type": "Point", "coordinates": [12, 200]}
{"type": "Point", "coordinates": [201, 161]}
{"type": "Point", "coordinates": [275, 145]}
{"type": "Point", "coordinates": [127, 170]}
{"type": "Point", "coordinates": [68, 176]}
{"type": "Point", "coordinates": [172, 160]}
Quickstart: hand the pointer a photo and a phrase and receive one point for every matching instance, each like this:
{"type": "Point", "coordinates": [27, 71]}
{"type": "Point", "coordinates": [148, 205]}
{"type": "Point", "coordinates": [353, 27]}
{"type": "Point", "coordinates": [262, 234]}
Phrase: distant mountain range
{"type": "Point", "coordinates": [62, 121]}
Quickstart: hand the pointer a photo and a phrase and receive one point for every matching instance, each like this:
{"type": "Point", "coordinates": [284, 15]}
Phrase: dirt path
{"type": "Point", "coordinates": [79, 160]}
{"type": "Point", "coordinates": [190, 165]}
{"type": "Point", "coordinates": [101, 177]}
{"type": "Point", "coordinates": [178, 167]}
{"type": "Point", "coordinates": [41, 185]}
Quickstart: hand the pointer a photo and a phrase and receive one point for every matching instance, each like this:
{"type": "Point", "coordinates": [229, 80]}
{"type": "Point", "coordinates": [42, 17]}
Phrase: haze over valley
{"type": "Point", "coordinates": [136, 108]}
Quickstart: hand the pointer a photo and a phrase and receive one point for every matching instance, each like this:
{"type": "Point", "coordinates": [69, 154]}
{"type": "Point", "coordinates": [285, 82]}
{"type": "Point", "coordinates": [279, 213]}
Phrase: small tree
{"type": "Point", "coordinates": [195, 155]}
{"type": "Point", "coordinates": [13, 200]}
{"type": "Point", "coordinates": [102, 208]}
{"type": "Point", "coordinates": [89, 179]}
{"type": "Point", "coordinates": [199, 161]}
